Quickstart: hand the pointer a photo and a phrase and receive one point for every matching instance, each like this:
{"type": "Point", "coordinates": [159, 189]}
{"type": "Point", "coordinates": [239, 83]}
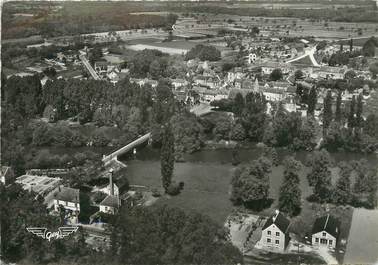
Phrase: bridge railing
{"type": "Point", "coordinates": [127, 147]}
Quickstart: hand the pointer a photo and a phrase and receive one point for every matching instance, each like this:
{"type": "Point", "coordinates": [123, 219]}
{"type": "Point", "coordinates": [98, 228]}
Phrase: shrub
{"type": "Point", "coordinates": [175, 188]}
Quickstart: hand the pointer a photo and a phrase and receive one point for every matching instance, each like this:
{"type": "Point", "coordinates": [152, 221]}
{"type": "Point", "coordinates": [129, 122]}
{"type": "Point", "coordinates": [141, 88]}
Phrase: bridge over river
{"type": "Point", "coordinates": [198, 110]}
{"type": "Point", "coordinates": [126, 148]}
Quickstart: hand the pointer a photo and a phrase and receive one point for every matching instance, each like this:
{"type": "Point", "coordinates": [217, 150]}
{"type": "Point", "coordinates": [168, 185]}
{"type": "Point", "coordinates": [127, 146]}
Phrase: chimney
{"type": "Point", "coordinates": [275, 215]}
{"type": "Point", "coordinates": [111, 182]}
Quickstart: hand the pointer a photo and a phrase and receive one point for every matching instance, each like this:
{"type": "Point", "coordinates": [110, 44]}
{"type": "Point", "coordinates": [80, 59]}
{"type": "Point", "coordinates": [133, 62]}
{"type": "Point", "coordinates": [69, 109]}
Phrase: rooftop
{"type": "Point", "coordinates": [68, 194]}
{"type": "Point", "coordinates": [279, 220]}
{"type": "Point", "coordinates": [39, 184]}
{"type": "Point", "coordinates": [327, 223]}
{"type": "Point", "coordinates": [111, 201]}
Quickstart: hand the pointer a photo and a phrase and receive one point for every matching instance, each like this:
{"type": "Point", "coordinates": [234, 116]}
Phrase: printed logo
{"type": "Point", "coordinates": [62, 232]}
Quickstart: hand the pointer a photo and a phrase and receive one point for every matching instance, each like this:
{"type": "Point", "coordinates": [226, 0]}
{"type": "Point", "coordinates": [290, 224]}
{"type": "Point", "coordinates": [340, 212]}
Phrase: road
{"type": "Point", "coordinates": [310, 52]}
{"type": "Point", "coordinates": [362, 246]}
{"type": "Point", "coordinates": [89, 67]}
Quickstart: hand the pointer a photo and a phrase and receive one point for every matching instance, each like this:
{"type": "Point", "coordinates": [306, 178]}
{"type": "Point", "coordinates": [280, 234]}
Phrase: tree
{"type": "Point", "coordinates": [361, 184]}
{"type": "Point", "coordinates": [137, 236]}
{"type": "Point", "coordinates": [167, 156]}
{"type": "Point", "coordinates": [237, 132]}
{"type": "Point", "coordinates": [238, 104]}
{"type": "Point", "coordinates": [371, 125]}
{"type": "Point", "coordinates": [286, 126]}
{"type": "Point", "coordinates": [351, 117]}
{"type": "Point", "coordinates": [359, 110]}
{"type": "Point", "coordinates": [280, 125]}
{"type": "Point", "coordinates": [368, 49]}
{"type": "Point", "coordinates": [312, 100]}
{"type": "Point", "coordinates": [320, 176]}
{"type": "Point", "coordinates": [188, 133]}
{"type": "Point", "coordinates": [350, 75]}
{"type": "Point", "coordinates": [95, 55]}
{"type": "Point", "coordinates": [162, 110]}
{"type": "Point", "coordinates": [254, 116]}
{"type": "Point", "coordinates": [155, 69]}
{"type": "Point", "coordinates": [20, 209]}
{"type": "Point", "coordinates": [298, 74]}
{"type": "Point", "coordinates": [307, 135]}
{"type": "Point", "coordinates": [276, 74]}
{"type": "Point", "coordinates": [271, 154]}
{"type": "Point", "coordinates": [342, 192]}
{"type": "Point", "coordinates": [204, 53]}
{"type": "Point", "coordinates": [373, 68]}
{"type": "Point", "coordinates": [251, 184]}
{"type": "Point", "coordinates": [50, 72]}
{"type": "Point", "coordinates": [290, 193]}
{"type": "Point", "coordinates": [222, 128]}
{"type": "Point", "coordinates": [327, 111]}
{"type": "Point", "coordinates": [255, 30]}
{"type": "Point", "coordinates": [338, 114]}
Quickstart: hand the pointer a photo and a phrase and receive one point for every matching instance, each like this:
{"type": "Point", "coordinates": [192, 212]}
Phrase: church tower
{"type": "Point", "coordinates": [256, 87]}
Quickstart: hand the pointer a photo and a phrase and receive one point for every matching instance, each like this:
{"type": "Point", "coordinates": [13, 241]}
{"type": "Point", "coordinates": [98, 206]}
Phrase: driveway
{"type": "Point", "coordinates": [362, 245]}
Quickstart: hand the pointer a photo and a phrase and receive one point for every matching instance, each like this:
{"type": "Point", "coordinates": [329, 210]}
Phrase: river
{"type": "Point", "coordinates": [224, 156]}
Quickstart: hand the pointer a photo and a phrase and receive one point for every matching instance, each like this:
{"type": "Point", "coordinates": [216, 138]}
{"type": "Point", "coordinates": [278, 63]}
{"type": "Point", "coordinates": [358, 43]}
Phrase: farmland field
{"type": "Point", "coordinates": [140, 47]}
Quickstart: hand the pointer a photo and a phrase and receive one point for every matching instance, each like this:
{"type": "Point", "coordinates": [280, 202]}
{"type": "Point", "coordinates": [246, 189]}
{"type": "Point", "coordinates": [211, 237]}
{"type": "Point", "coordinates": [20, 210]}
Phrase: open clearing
{"type": "Point", "coordinates": [363, 241]}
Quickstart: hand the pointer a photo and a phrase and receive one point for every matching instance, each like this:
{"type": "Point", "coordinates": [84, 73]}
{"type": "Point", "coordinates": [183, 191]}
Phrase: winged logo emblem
{"type": "Point", "coordinates": [62, 232]}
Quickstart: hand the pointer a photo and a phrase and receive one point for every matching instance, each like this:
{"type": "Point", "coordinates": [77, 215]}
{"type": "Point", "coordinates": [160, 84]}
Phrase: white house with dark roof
{"type": "Point", "coordinates": [326, 231]}
{"type": "Point", "coordinates": [68, 198]}
{"type": "Point", "coordinates": [110, 204]}
{"type": "Point", "coordinates": [275, 232]}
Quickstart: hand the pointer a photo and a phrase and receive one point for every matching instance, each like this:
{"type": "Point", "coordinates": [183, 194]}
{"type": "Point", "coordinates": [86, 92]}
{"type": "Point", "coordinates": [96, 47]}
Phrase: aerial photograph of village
{"type": "Point", "coordinates": [205, 132]}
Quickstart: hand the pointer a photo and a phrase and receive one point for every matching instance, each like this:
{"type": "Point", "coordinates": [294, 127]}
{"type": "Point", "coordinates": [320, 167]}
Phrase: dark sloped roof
{"type": "Point", "coordinates": [68, 195]}
{"type": "Point", "coordinates": [279, 220]}
{"type": "Point", "coordinates": [327, 223]}
{"type": "Point", "coordinates": [111, 201]}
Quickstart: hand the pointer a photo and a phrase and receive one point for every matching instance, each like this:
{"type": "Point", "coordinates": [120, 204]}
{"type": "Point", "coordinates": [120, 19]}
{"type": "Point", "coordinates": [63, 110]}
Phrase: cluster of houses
{"type": "Point", "coordinates": [110, 71]}
{"type": "Point", "coordinates": [58, 197]}
{"type": "Point", "coordinates": [276, 232]}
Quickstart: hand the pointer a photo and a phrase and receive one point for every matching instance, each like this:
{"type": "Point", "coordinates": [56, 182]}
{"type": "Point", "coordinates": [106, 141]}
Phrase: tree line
{"type": "Point", "coordinates": [253, 123]}
{"type": "Point", "coordinates": [356, 184]}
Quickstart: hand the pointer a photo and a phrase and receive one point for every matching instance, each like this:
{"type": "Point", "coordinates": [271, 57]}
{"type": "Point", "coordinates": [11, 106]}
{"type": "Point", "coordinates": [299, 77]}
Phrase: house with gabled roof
{"type": "Point", "coordinates": [68, 198]}
{"type": "Point", "coordinates": [275, 232]}
{"type": "Point", "coordinates": [110, 204]}
{"type": "Point", "coordinates": [326, 231]}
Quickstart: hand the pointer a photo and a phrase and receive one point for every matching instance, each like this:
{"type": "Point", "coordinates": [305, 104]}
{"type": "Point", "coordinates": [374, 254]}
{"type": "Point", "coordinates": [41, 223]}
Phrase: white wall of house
{"type": "Point", "coordinates": [272, 237]}
{"type": "Point", "coordinates": [267, 70]}
{"type": "Point", "coordinates": [273, 96]}
{"type": "Point", "coordinates": [323, 239]}
{"type": "Point", "coordinates": [67, 205]}
{"type": "Point", "coordinates": [107, 209]}
{"type": "Point", "coordinates": [106, 190]}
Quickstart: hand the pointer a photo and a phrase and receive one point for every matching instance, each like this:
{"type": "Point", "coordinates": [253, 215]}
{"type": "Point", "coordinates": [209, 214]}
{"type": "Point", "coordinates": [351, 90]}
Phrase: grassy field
{"type": "Point", "coordinates": [206, 186]}
{"type": "Point", "coordinates": [207, 190]}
